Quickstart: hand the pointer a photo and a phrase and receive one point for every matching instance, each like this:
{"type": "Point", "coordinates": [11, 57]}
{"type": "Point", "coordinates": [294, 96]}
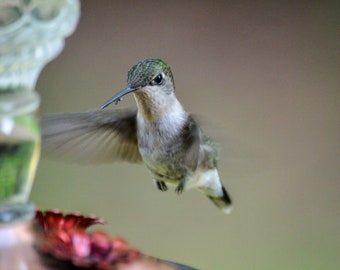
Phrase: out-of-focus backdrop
{"type": "Point", "coordinates": [263, 77]}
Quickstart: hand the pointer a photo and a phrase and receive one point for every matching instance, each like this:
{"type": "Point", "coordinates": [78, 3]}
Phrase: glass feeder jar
{"type": "Point", "coordinates": [32, 33]}
{"type": "Point", "coordinates": [19, 153]}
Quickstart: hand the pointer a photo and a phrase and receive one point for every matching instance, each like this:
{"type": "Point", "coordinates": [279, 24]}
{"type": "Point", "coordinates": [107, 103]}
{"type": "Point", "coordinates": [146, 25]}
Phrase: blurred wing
{"type": "Point", "coordinates": [201, 150]}
{"type": "Point", "coordinates": [192, 140]}
{"type": "Point", "coordinates": [94, 137]}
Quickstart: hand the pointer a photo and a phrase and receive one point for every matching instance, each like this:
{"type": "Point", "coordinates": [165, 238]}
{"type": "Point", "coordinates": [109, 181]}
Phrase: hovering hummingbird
{"type": "Point", "coordinates": [160, 133]}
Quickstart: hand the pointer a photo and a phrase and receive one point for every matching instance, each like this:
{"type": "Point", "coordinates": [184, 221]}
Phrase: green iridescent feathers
{"type": "Point", "coordinates": [143, 72]}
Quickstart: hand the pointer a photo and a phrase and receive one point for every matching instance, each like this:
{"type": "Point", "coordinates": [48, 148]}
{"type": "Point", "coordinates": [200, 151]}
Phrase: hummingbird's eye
{"type": "Point", "coordinates": [158, 79]}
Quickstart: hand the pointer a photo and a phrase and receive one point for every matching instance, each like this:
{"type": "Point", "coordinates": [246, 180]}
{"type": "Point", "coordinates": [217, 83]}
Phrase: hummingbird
{"type": "Point", "coordinates": [160, 133]}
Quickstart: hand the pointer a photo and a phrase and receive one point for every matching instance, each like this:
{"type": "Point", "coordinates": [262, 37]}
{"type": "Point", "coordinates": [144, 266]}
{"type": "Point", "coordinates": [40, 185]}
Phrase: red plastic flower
{"type": "Point", "coordinates": [65, 237]}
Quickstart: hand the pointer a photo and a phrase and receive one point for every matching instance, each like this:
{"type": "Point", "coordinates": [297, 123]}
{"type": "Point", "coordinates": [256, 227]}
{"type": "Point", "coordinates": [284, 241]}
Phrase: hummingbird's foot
{"type": "Point", "coordinates": [179, 189]}
{"type": "Point", "coordinates": [161, 186]}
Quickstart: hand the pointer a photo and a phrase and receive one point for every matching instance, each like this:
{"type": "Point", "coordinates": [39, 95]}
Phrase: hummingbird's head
{"type": "Point", "coordinates": [151, 80]}
{"type": "Point", "coordinates": [150, 72]}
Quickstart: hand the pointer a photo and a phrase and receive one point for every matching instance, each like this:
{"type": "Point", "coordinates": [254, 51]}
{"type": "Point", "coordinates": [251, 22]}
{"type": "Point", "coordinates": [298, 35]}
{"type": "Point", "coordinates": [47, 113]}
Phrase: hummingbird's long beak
{"type": "Point", "coordinates": [117, 97]}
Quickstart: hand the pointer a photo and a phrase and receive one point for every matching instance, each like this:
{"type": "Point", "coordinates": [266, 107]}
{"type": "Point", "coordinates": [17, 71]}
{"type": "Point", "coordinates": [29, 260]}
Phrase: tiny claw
{"type": "Point", "coordinates": [179, 189]}
{"type": "Point", "coordinates": [161, 186]}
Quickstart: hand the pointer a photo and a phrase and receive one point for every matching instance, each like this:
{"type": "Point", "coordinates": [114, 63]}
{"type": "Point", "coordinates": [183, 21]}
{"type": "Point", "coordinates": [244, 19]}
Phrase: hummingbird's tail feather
{"type": "Point", "coordinates": [223, 202]}
{"type": "Point", "coordinates": [208, 182]}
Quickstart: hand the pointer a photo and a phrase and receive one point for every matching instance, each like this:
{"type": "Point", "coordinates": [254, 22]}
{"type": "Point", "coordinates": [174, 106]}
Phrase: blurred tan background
{"type": "Point", "coordinates": [263, 77]}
